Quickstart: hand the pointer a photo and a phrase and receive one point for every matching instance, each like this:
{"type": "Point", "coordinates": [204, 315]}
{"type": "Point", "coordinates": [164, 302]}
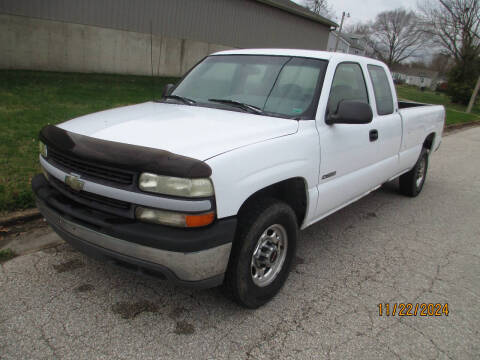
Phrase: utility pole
{"type": "Point", "coordinates": [340, 30]}
{"type": "Point", "coordinates": [474, 96]}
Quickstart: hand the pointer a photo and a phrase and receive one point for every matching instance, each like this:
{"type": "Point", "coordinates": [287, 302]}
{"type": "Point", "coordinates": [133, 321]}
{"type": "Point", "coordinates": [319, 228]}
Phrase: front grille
{"type": "Point", "coordinates": [97, 198]}
{"type": "Point", "coordinates": [88, 169]}
{"type": "Point", "coordinates": [95, 201]}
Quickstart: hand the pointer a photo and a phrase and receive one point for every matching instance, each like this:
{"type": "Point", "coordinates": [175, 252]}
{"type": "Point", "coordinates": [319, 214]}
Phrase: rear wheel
{"type": "Point", "coordinates": [262, 253]}
{"type": "Point", "coordinates": [411, 183]}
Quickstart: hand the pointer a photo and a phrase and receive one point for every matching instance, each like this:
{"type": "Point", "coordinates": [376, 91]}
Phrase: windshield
{"type": "Point", "coordinates": [275, 85]}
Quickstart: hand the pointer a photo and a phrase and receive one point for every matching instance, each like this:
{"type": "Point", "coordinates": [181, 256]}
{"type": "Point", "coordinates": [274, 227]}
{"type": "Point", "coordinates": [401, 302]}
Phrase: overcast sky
{"type": "Point", "coordinates": [364, 10]}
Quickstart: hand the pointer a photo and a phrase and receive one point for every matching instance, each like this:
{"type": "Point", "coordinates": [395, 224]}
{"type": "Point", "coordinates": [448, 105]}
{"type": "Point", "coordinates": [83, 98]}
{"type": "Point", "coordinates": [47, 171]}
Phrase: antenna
{"type": "Point", "coordinates": [151, 60]}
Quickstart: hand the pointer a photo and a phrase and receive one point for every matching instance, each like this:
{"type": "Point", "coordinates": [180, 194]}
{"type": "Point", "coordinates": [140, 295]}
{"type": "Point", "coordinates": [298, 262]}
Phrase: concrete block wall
{"type": "Point", "coordinates": [35, 44]}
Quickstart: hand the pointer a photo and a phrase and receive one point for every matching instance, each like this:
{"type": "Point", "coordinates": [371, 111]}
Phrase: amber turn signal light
{"type": "Point", "coordinates": [199, 220]}
{"type": "Point", "coordinates": [170, 218]}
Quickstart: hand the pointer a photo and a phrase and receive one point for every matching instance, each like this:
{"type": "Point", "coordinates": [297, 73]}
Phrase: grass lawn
{"type": "Point", "coordinates": [455, 112]}
{"type": "Point", "coordinates": [30, 100]}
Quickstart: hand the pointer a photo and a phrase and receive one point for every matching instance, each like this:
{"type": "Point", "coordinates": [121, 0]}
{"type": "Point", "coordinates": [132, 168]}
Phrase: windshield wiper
{"type": "Point", "coordinates": [238, 104]}
{"type": "Point", "coordinates": [182, 99]}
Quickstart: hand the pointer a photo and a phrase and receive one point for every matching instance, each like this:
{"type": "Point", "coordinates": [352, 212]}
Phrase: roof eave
{"type": "Point", "coordinates": [317, 18]}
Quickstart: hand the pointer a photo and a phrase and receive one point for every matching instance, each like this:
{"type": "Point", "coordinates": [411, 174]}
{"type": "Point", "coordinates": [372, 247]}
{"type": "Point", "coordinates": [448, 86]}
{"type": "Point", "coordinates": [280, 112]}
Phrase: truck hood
{"type": "Point", "coordinates": [192, 131]}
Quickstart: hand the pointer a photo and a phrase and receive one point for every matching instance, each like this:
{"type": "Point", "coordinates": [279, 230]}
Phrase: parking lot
{"type": "Point", "coordinates": [386, 248]}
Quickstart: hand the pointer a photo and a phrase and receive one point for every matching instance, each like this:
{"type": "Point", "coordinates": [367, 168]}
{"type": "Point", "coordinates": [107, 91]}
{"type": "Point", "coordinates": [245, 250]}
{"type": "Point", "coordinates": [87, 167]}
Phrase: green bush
{"type": "Point", "coordinates": [461, 81]}
{"type": "Point", "coordinates": [6, 255]}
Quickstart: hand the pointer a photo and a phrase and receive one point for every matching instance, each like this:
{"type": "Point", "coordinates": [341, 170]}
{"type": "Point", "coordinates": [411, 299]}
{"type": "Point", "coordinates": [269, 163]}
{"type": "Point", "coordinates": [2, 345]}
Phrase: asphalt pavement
{"type": "Point", "coordinates": [386, 248]}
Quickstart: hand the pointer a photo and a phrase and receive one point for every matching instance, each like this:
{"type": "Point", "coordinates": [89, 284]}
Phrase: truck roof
{"type": "Point", "coordinates": [316, 54]}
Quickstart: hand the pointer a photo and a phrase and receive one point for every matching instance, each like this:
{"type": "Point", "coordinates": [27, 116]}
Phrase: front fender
{"type": "Point", "coordinates": [238, 174]}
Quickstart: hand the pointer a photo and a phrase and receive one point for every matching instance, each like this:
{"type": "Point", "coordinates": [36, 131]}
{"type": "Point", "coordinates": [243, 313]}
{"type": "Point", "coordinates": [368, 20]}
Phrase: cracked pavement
{"type": "Point", "coordinates": [385, 248]}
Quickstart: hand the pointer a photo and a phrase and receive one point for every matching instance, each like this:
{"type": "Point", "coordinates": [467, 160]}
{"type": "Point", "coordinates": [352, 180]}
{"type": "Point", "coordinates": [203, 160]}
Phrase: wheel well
{"type": "Point", "coordinates": [428, 143]}
{"type": "Point", "coordinates": [292, 191]}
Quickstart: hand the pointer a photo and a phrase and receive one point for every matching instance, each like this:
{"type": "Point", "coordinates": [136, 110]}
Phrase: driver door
{"type": "Point", "coordinates": [348, 151]}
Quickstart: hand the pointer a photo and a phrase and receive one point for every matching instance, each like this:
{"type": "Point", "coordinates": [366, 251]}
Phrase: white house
{"type": "Point", "coordinates": [343, 44]}
{"type": "Point", "coordinates": [347, 43]}
{"type": "Point", "coordinates": [357, 44]}
{"type": "Point", "coordinates": [417, 77]}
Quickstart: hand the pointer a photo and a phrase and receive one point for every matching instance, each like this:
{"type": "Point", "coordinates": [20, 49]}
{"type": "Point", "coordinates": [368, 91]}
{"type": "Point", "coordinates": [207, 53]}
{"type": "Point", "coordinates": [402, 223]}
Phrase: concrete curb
{"type": "Point", "coordinates": [454, 127]}
{"type": "Point", "coordinates": [20, 216]}
{"type": "Point", "coordinates": [32, 241]}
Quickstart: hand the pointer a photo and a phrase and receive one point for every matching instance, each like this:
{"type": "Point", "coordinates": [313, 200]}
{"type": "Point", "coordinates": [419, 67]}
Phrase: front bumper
{"type": "Point", "coordinates": [192, 257]}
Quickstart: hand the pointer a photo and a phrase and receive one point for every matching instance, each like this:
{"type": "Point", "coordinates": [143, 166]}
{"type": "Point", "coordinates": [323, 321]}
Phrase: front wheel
{"type": "Point", "coordinates": [411, 183]}
{"type": "Point", "coordinates": [262, 254]}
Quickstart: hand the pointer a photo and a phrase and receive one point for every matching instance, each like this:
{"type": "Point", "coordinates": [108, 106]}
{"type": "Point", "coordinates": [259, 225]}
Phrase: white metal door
{"type": "Point", "coordinates": [388, 122]}
{"type": "Point", "coordinates": [348, 151]}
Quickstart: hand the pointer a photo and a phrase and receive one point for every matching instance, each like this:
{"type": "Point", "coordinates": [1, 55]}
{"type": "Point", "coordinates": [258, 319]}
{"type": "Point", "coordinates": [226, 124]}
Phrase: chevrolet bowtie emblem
{"type": "Point", "coordinates": [74, 182]}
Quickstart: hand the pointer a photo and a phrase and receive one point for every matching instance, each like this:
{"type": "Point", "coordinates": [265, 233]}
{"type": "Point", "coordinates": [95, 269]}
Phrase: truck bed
{"type": "Point", "coordinates": [409, 104]}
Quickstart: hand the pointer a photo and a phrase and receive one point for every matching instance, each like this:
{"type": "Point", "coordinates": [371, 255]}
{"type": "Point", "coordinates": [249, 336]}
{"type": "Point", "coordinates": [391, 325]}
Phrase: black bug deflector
{"type": "Point", "coordinates": [123, 156]}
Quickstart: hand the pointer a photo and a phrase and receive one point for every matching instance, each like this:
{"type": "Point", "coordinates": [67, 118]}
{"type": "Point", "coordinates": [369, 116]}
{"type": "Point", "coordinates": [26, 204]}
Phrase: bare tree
{"type": "Point", "coordinates": [365, 31]}
{"type": "Point", "coordinates": [441, 62]}
{"type": "Point", "coordinates": [320, 7]}
{"type": "Point", "coordinates": [394, 36]}
{"type": "Point", "coordinates": [454, 25]}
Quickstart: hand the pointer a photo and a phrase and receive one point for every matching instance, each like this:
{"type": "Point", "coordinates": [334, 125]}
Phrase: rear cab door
{"type": "Point", "coordinates": [388, 122]}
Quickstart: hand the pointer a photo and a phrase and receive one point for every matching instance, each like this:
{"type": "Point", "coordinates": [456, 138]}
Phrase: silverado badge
{"type": "Point", "coordinates": [74, 182]}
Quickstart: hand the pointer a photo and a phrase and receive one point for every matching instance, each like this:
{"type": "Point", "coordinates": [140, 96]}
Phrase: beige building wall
{"type": "Point", "coordinates": [35, 44]}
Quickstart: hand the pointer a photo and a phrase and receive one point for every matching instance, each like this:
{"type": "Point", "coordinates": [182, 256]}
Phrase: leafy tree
{"type": "Point", "coordinates": [461, 81]}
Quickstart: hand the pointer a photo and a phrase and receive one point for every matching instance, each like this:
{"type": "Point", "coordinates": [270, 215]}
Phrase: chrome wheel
{"type": "Point", "coordinates": [269, 255]}
{"type": "Point", "coordinates": [421, 172]}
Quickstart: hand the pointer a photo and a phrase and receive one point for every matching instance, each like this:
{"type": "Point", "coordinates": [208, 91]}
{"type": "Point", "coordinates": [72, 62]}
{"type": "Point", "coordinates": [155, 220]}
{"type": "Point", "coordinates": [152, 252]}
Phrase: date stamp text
{"type": "Point", "coordinates": [409, 309]}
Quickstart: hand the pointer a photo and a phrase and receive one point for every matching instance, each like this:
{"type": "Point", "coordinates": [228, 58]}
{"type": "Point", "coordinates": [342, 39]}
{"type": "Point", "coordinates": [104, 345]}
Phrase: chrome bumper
{"type": "Point", "coordinates": [206, 266]}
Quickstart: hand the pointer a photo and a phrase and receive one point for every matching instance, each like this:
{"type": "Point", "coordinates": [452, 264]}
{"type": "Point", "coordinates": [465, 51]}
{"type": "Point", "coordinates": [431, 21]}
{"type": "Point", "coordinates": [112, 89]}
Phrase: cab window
{"type": "Point", "coordinates": [348, 84]}
{"type": "Point", "coordinates": [382, 90]}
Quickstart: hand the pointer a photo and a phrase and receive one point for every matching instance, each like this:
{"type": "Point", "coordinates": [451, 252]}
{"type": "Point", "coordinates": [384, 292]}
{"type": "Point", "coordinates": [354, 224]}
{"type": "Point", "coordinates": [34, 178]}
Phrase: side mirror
{"type": "Point", "coordinates": [351, 112]}
{"type": "Point", "coordinates": [167, 90]}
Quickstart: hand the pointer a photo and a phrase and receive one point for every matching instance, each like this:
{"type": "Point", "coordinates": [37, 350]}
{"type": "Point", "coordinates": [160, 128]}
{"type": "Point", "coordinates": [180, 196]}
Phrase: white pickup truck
{"type": "Point", "coordinates": [211, 184]}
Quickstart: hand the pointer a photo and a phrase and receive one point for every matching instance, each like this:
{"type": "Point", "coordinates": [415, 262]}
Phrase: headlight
{"type": "Point", "coordinates": [175, 186]}
{"type": "Point", "coordinates": [172, 218]}
{"type": "Point", "coordinates": [43, 148]}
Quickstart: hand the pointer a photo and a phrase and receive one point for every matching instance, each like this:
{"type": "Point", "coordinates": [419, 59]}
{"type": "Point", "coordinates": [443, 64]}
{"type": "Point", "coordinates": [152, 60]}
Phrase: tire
{"type": "Point", "coordinates": [411, 183]}
{"type": "Point", "coordinates": [257, 231]}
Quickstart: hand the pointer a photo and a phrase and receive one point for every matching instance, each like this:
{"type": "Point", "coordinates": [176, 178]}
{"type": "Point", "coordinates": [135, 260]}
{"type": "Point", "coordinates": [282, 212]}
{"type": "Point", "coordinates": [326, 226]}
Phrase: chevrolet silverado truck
{"type": "Point", "coordinates": [211, 184]}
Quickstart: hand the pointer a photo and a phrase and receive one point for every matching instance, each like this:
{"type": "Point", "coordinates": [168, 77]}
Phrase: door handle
{"type": "Point", "coordinates": [374, 135]}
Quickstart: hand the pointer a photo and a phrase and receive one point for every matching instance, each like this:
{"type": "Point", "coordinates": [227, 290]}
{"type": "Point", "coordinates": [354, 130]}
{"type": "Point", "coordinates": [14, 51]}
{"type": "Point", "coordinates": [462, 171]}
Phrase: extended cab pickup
{"type": "Point", "coordinates": [211, 184]}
